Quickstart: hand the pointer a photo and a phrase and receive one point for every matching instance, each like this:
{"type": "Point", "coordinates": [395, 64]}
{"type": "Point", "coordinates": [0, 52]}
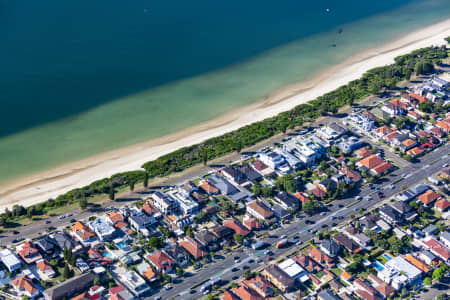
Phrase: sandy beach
{"type": "Point", "coordinates": [49, 184]}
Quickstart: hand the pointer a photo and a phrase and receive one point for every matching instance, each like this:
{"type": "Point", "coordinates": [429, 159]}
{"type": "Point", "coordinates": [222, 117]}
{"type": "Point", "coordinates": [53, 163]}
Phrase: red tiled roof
{"type": "Point", "coordinates": [302, 197]}
{"type": "Point", "coordinates": [25, 283]}
{"type": "Point", "coordinates": [320, 257]}
{"type": "Point", "coordinates": [259, 165]}
{"type": "Point", "coordinates": [319, 193]}
{"type": "Point", "coordinates": [414, 115]}
{"type": "Point", "coordinates": [252, 223]}
{"type": "Point", "coordinates": [115, 217]}
{"type": "Point", "coordinates": [444, 125]}
{"type": "Point", "coordinates": [237, 227]}
{"type": "Point", "coordinates": [43, 265]}
{"type": "Point", "coordinates": [442, 204]}
{"type": "Point", "coordinates": [364, 152]}
{"type": "Point", "coordinates": [418, 97]}
{"type": "Point", "coordinates": [246, 294]}
{"type": "Point", "coordinates": [382, 168]}
{"type": "Point", "coordinates": [193, 247]}
{"type": "Point", "coordinates": [415, 151]}
{"type": "Point", "coordinates": [210, 189]}
{"type": "Point", "coordinates": [371, 161]}
{"type": "Point", "coordinates": [429, 196]}
{"type": "Point", "coordinates": [229, 296]}
{"type": "Point", "coordinates": [27, 250]}
{"type": "Point", "coordinates": [438, 249]}
{"type": "Point", "coordinates": [82, 230]}
{"type": "Point", "coordinates": [161, 260]}
{"type": "Point", "coordinates": [417, 263]}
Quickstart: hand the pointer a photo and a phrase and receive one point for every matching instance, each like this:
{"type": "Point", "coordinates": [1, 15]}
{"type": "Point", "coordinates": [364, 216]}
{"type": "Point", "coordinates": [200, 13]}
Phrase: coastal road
{"type": "Point", "coordinates": [407, 176]}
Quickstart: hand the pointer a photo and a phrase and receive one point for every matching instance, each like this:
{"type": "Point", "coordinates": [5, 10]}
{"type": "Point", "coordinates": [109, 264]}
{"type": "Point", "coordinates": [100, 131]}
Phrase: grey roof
{"type": "Point", "coordinates": [251, 174]}
{"type": "Point", "coordinates": [402, 207]}
{"type": "Point", "coordinates": [287, 199]}
{"type": "Point", "coordinates": [205, 237]}
{"type": "Point", "coordinates": [445, 235]}
{"type": "Point", "coordinates": [338, 128]}
{"type": "Point", "coordinates": [46, 243]}
{"type": "Point", "coordinates": [70, 287]}
{"type": "Point", "coordinates": [279, 211]}
{"type": "Point", "coordinates": [226, 188]}
{"type": "Point", "coordinates": [430, 229]}
{"type": "Point", "coordinates": [327, 295]}
{"type": "Point", "coordinates": [64, 240]}
{"type": "Point", "coordinates": [390, 212]}
{"type": "Point", "coordinates": [142, 220]}
{"type": "Point", "coordinates": [331, 246]}
{"type": "Point", "coordinates": [419, 189]}
{"type": "Point", "coordinates": [280, 275]}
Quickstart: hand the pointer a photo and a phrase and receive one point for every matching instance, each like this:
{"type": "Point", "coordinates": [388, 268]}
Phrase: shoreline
{"type": "Point", "coordinates": [41, 186]}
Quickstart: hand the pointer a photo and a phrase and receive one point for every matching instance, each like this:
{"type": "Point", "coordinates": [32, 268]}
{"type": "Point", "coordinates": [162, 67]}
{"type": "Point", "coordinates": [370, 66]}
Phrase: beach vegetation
{"type": "Point", "coordinates": [420, 61]}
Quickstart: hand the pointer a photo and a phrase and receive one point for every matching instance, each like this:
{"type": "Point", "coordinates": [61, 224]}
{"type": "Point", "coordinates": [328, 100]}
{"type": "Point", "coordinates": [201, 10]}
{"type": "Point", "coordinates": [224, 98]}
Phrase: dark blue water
{"type": "Point", "coordinates": [61, 58]}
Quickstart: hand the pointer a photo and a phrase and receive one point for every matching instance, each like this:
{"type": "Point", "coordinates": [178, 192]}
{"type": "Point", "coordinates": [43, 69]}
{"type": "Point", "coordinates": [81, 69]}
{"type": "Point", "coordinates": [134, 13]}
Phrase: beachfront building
{"type": "Point", "coordinates": [184, 202]}
{"type": "Point", "coordinates": [164, 203]}
{"type": "Point", "coordinates": [103, 229]}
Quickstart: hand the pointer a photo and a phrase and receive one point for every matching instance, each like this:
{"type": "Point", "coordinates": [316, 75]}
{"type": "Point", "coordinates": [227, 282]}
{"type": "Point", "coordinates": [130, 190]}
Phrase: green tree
{"type": "Point", "coordinates": [66, 272]}
{"type": "Point", "coordinates": [83, 202]}
{"type": "Point", "coordinates": [427, 281]}
{"type": "Point", "coordinates": [146, 179]}
{"type": "Point", "coordinates": [238, 238]}
{"type": "Point", "coordinates": [112, 195]}
{"type": "Point", "coordinates": [155, 242]}
{"type": "Point", "coordinates": [438, 274]}
{"type": "Point", "coordinates": [205, 157]}
{"type": "Point", "coordinates": [247, 274]}
{"type": "Point", "coordinates": [179, 271]}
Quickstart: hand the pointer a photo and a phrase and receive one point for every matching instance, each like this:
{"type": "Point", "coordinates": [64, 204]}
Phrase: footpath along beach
{"type": "Point", "coordinates": [49, 184]}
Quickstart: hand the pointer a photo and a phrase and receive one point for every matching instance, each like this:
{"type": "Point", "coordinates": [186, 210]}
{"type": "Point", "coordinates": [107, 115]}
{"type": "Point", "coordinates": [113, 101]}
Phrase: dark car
{"type": "Point", "coordinates": [73, 221]}
{"type": "Point", "coordinates": [192, 291]}
{"type": "Point", "coordinates": [47, 221]}
{"type": "Point", "coordinates": [235, 277]}
{"type": "Point", "coordinates": [15, 232]}
{"type": "Point", "coordinates": [324, 226]}
{"type": "Point", "coordinates": [380, 195]}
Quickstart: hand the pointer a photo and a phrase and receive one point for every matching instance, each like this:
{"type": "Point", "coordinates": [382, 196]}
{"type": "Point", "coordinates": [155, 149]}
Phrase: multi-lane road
{"type": "Point", "coordinates": [253, 259]}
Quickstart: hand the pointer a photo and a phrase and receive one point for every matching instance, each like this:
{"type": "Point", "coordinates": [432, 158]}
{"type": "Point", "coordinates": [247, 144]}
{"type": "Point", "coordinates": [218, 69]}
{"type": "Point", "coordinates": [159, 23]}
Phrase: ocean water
{"type": "Point", "coordinates": [79, 78]}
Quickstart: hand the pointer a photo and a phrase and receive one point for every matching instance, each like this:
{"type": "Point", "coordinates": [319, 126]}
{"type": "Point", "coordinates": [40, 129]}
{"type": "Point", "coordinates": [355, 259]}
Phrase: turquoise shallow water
{"type": "Point", "coordinates": [78, 78]}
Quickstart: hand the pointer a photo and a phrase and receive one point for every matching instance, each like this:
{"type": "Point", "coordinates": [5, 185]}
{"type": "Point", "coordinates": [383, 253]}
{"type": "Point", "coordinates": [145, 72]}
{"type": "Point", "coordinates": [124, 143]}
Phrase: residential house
{"type": "Point", "coordinates": [244, 292]}
{"type": "Point", "coordinates": [47, 245]}
{"type": "Point", "coordinates": [63, 240]}
{"type": "Point", "coordinates": [351, 176]}
{"type": "Point", "coordinates": [227, 189]}
{"type": "Point", "coordinates": [260, 211]}
{"type": "Point", "coordinates": [429, 197]}
{"type": "Point", "coordinates": [251, 223]}
{"type": "Point", "coordinates": [369, 223]}
{"type": "Point", "coordinates": [161, 261]}
{"type": "Point", "coordinates": [114, 217]}
{"type": "Point", "coordinates": [45, 271]}
{"type": "Point", "coordinates": [415, 152]}
{"type": "Point", "coordinates": [428, 257]}
{"type": "Point", "coordinates": [208, 240]}
{"type": "Point", "coordinates": [430, 230]}
{"type": "Point", "coordinates": [163, 202]}
{"type": "Point", "coordinates": [142, 223]}
{"type": "Point", "coordinates": [222, 232]}
{"type": "Point", "coordinates": [390, 215]}
{"type": "Point", "coordinates": [28, 252]}
{"type": "Point", "coordinates": [330, 247]}
{"type": "Point", "coordinates": [438, 249]}
{"type": "Point", "coordinates": [147, 271]}
{"type": "Point", "coordinates": [70, 287]}
{"type": "Point", "coordinates": [236, 226]}
{"type": "Point", "coordinates": [407, 144]}
{"type": "Point", "coordinates": [364, 290]}
{"type": "Point", "coordinates": [194, 248]}
{"type": "Point", "coordinates": [417, 263]}
{"type": "Point", "coordinates": [444, 125]}
{"type": "Point", "coordinates": [293, 270]}
{"type": "Point", "coordinates": [278, 278]}
{"type": "Point", "coordinates": [234, 175]}
{"type": "Point", "coordinates": [320, 257]}
{"type": "Point", "coordinates": [227, 295]}
{"type": "Point", "coordinates": [364, 152]}
{"type": "Point", "coordinates": [260, 286]}
{"type": "Point", "coordinates": [261, 168]}
{"type": "Point", "coordinates": [135, 283]}
{"type": "Point", "coordinates": [250, 173]}
{"type": "Point", "coordinates": [445, 238]}
{"type": "Point", "coordinates": [177, 253]}
{"type": "Point", "coordinates": [307, 263]}
{"type": "Point", "coordinates": [120, 293]}
{"type": "Point", "coordinates": [209, 188]}
{"type": "Point", "coordinates": [347, 243]}
{"type": "Point", "coordinates": [275, 161]}
{"type": "Point", "coordinates": [381, 131]}
{"type": "Point", "coordinates": [327, 295]}
{"type": "Point", "coordinates": [374, 164]}
{"type": "Point", "coordinates": [104, 230]}
{"type": "Point", "coordinates": [398, 273]}
{"type": "Point", "coordinates": [382, 288]}
{"type": "Point", "coordinates": [82, 233]}
{"type": "Point", "coordinates": [442, 205]}
{"type": "Point", "coordinates": [287, 201]}
{"type": "Point", "coordinates": [183, 201]}
{"type": "Point", "coordinates": [405, 210]}
{"type": "Point", "coordinates": [393, 108]}
{"type": "Point", "coordinates": [24, 286]}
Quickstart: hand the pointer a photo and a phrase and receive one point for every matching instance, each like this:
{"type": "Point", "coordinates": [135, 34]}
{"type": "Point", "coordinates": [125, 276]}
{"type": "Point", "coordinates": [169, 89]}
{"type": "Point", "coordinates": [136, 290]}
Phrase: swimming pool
{"type": "Point", "coordinates": [378, 266]}
{"type": "Point", "coordinates": [121, 245]}
{"type": "Point", "coordinates": [387, 256]}
{"type": "Point", "coordinates": [107, 254]}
